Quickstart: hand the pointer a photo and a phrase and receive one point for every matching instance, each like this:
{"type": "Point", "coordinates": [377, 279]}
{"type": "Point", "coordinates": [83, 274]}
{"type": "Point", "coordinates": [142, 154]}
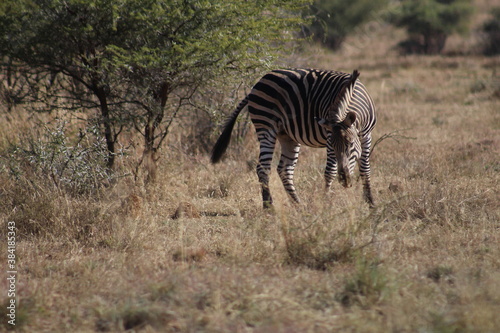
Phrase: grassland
{"type": "Point", "coordinates": [427, 259]}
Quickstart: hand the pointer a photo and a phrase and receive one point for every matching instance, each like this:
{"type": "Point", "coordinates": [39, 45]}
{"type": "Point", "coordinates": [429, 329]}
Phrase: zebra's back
{"type": "Point", "coordinates": [290, 101]}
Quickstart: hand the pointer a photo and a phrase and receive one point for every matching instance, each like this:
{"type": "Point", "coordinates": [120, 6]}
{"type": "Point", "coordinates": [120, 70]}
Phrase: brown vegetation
{"type": "Point", "coordinates": [427, 258]}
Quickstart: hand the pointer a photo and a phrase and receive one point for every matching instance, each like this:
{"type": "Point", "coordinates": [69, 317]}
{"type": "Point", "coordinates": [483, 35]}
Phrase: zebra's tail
{"type": "Point", "coordinates": [224, 139]}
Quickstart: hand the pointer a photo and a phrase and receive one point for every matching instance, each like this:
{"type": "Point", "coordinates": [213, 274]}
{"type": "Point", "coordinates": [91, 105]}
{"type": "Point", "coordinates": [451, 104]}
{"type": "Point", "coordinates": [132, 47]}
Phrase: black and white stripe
{"type": "Point", "coordinates": [313, 108]}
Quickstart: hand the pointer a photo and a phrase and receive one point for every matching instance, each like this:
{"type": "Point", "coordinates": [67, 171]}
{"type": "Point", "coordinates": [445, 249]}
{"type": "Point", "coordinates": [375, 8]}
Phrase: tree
{"type": "Point", "coordinates": [137, 61]}
{"type": "Point", "coordinates": [492, 30]}
{"type": "Point", "coordinates": [333, 20]}
{"type": "Point", "coordinates": [430, 22]}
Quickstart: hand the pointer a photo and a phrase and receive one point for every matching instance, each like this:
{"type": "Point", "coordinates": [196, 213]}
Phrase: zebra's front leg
{"type": "Point", "coordinates": [331, 168]}
{"type": "Point", "coordinates": [289, 156]}
{"type": "Point", "coordinates": [365, 171]}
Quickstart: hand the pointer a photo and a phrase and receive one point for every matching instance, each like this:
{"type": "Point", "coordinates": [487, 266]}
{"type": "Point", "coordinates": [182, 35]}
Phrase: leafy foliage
{"type": "Point", "coordinates": [138, 62]}
{"type": "Point", "coordinates": [430, 22]}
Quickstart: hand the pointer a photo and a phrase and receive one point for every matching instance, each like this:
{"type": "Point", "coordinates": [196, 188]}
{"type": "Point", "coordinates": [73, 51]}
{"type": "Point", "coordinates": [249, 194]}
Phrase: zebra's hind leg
{"type": "Point", "coordinates": [267, 141]}
{"type": "Point", "coordinates": [289, 156]}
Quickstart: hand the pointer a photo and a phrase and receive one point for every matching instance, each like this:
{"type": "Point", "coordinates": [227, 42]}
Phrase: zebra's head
{"type": "Point", "coordinates": [344, 141]}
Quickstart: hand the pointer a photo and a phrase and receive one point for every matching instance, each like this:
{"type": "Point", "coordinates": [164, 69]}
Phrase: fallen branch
{"type": "Point", "coordinates": [394, 136]}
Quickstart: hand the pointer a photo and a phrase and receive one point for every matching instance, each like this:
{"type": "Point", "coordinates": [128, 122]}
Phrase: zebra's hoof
{"type": "Point", "coordinates": [268, 205]}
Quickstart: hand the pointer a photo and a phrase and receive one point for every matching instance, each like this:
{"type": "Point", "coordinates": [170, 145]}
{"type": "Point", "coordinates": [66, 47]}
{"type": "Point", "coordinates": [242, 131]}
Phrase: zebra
{"type": "Point", "coordinates": [308, 107]}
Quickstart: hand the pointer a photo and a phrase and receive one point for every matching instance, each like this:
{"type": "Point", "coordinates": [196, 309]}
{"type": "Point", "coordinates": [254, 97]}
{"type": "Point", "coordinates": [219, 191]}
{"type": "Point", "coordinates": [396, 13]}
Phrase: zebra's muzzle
{"type": "Point", "coordinates": [345, 179]}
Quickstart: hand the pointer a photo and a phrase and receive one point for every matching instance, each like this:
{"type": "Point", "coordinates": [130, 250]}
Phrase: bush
{"type": "Point", "coordinates": [430, 22]}
{"type": "Point", "coordinates": [333, 20]}
{"type": "Point", "coordinates": [51, 185]}
{"type": "Point", "coordinates": [492, 30]}
{"type": "Point", "coordinates": [74, 166]}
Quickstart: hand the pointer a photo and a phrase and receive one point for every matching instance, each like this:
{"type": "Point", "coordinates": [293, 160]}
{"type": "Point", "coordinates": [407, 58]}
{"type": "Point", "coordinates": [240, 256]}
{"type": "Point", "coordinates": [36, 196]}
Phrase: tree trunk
{"type": "Point", "coordinates": [434, 42]}
{"type": "Point", "coordinates": [108, 126]}
{"type": "Point", "coordinates": [154, 118]}
{"type": "Point", "coordinates": [148, 157]}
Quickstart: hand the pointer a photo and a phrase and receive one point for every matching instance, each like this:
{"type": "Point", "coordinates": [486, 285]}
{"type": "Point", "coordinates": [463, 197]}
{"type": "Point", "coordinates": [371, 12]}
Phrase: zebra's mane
{"type": "Point", "coordinates": [338, 109]}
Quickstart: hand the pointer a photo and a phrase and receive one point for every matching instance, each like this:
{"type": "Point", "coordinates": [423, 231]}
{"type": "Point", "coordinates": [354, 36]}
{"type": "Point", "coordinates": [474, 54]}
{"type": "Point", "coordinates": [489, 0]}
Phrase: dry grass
{"type": "Point", "coordinates": [426, 259]}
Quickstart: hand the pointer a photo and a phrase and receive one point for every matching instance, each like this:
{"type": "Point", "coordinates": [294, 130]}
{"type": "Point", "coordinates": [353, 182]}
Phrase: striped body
{"type": "Point", "coordinates": [313, 108]}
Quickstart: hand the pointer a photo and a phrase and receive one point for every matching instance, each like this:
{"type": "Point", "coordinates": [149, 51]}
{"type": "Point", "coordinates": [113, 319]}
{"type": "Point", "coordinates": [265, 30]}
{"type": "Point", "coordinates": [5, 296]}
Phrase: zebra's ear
{"type": "Point", "coordinates": [350, 119]}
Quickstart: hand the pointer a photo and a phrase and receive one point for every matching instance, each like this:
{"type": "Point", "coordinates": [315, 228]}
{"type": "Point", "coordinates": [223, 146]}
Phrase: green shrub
{"type": "Point", "coordinates": [492, 30]}
{"type": "Point", "coordinates": [430, 22]}
{"type": "Point", "coordinates": [333, 20]}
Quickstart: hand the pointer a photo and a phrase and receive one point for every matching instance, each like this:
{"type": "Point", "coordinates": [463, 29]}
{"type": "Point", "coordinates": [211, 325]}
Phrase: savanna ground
{"type": "Point", "coordinates": [426, 259]}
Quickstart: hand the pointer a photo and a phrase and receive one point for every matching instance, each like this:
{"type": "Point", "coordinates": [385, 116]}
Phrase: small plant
{"type": "Point", "coordinates": [316, 246]}
{"type": "Point", "coordinates": [366, 287]}
{"type": "Point", "coordinates": [309, 252]}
